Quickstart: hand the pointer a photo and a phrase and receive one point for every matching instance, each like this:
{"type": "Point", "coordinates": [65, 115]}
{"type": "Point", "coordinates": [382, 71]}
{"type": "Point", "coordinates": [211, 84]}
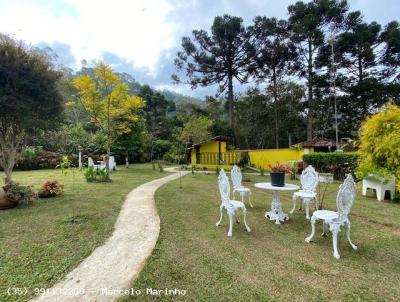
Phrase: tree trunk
{"type": "Point", "coordinates": [126, 160]}
{"type": "Point", "coordinates": [108, 134]}
{"type": "Point", "coordinates": [275, 93]}
{"type": "Point", "coordinates": [151, 155]}
{"type": "Point", "coordinates": [364, 102]}
{"type": "Point", "coordinates": [8, 173]}
{"type": "Point", "coordinates": [11, 142]}
{"type": "Point", "coordinates": [108, 158]}
{"type": "Point", "coordinates": [230, 99]}
{"type": "Point", "coordinates": [310, 116]}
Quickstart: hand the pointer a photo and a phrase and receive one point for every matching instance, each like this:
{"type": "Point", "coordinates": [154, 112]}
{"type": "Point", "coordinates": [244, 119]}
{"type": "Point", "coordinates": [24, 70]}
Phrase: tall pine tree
{"type": "Point", "coordinates": [216, 58]}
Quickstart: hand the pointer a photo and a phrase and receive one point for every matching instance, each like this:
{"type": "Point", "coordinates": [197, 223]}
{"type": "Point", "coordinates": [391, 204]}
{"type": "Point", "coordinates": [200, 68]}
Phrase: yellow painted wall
{"type": "Point", "coordinates": [211, 146]}
{"type": "Point", "coordinates": [258, 158]}
{"type": "Point", "coordinates": [193, 157]}
{"type": "Point", "coordinates": [263, 158]}
{"type": "Point", "coordinates": [209, 167]}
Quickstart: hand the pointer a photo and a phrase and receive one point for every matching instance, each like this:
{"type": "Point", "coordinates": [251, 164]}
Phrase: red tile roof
{"type": "Point", "coordinates": [220, 138]}
{"type": "Point", "coordinates": [317, 142]}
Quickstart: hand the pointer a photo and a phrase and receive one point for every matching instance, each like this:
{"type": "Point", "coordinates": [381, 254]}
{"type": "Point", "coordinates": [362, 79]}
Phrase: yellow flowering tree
{"type": "Point", "coordinates": [106, 100]}
{"type": "Point", "coordinates": [380, 144]}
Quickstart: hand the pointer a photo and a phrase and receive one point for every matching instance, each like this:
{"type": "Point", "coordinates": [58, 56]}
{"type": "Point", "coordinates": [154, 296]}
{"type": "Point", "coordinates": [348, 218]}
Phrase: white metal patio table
{"type": "Point", "coordinates": [276, 212]}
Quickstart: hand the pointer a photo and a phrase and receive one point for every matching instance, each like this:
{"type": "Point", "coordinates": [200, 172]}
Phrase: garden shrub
{"type": "Point", "coordinates": [244, 159]}
{"type": "Point", "coordinates": [174, 155]}
{"type": "Point", "coordinates": [246, 178]}
{"type": "Point", "coordinates": [51, 188]}
{"type": "Point", "coordinates": [28, 155]}
{"type": "Point", "coordinates": [293, 166]}
{"type": "Point", "coordinates": [48, 159]}
{"type": "Point", "coordinates": [34, 158]}
{"type": "Point", "coordinates": [66, 164]}
{"type": "Point", "coordinates": [380, 144]}
{"type": "Point", "coordinates": [337, 163]}
{"type": "Point", "coordinates": [96, 175]}
{"type": "Point", "coordinates": [18, 193]}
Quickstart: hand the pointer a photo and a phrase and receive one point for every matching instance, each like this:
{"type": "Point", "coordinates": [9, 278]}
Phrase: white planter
{"type": "Point", "coordinates": [378, 184]}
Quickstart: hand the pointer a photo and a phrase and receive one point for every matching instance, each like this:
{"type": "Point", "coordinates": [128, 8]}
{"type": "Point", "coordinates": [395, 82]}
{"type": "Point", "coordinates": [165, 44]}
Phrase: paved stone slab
{"type": "Point", "coordinates": [112, 267]}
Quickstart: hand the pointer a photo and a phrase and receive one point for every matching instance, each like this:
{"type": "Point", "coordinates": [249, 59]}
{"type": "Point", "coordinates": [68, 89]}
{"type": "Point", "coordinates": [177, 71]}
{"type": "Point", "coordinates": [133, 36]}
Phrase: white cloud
{"type": "Point", "coordinates": [140, 37]}
{"type": "Point", "coordinates": [136, 31]}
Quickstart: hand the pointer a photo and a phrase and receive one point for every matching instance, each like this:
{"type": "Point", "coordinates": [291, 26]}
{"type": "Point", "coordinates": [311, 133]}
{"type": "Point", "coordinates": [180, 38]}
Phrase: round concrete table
{"type": "Point", "coordinates": [276, 212]}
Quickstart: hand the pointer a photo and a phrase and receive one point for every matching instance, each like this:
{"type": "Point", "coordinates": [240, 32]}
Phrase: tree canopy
{"type": "Point", "coordinates": [216, 58]}
{"type": "Point", "coordinates": [274, 54]}
{"type": "Point", "coordinates": [29, 97]}
{"type": "Point", "coordinates": [196, 130]}
{"type": "Point", "coordinates": [309, 23]}
{"type": "Point", "coordinates": [106, 100]}
{"type": "Point", "coordinates": [380, 140]}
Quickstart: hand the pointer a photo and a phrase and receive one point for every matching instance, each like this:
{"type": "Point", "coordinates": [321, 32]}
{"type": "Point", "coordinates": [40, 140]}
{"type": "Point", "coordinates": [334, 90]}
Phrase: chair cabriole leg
{"type": "Point", "coordinates": [313, 220]}
{"type": "Point", "coordinates": [307, 201]}
{"type": "Point", "coordinates": [294, 204]}
{"type": "Point", "coordinates": [335, 231]}
{"type": "Point", "coordinates": [220, 217]}
{"type": "Point", "coordinates": [230, 224]}
{"type": "Point", "coordinates": [251, 205]}
{"type": "Point", "coordinates": [348, 236]}
{"type": "Point", "coordinates": [245, 220]}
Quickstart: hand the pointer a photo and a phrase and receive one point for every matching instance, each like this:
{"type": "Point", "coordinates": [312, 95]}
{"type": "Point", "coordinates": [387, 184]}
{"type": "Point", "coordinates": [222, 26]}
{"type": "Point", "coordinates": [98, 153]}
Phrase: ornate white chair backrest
{"type": "Point", "coordinates": [309, 179]}
{"type": "Point", "coordinates": [236, 176]}
{"type": "Point", "coordinates": [346, 196]}
{"type": "Point", "coordinates": [90, 162]}
{"type": "Point", "coordinates": [224, 188]}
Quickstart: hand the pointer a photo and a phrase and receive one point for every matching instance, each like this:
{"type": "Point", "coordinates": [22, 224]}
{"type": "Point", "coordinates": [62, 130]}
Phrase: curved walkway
{"type": "Point", "coordinates": [110, 269]}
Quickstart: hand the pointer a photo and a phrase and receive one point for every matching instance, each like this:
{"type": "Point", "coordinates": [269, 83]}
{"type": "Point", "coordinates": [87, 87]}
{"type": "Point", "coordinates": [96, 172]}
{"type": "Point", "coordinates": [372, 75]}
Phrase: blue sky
{"type": "Point", "coordinates": [140, 37]}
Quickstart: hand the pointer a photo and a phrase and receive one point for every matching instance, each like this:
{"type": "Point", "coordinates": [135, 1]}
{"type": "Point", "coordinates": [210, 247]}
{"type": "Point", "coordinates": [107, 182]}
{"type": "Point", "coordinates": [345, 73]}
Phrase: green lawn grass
{"type": "Point", "coordinates": [273, 262]}
{"type": "Point", "coordinates": [41, 242]}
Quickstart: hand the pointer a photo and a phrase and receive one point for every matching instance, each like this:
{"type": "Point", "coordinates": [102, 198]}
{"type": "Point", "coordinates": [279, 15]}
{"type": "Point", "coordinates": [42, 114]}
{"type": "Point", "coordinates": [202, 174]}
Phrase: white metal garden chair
{"type": "Point", "coordinates": [309, 183]}
{"type": "Point", "coordinates": [230, 205]}
{"type": "Point", "coordinates": [236, 176]}
{"type": "Point", "coordinates": [91, 163]}
{"type": "Point", "coordinates": [111, 164]}
{"type": "Point", "coordinates": [344, 202]}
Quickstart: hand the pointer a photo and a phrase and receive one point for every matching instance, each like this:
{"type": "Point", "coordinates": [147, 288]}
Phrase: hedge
{"type": "Point", "coordinates": [338, 163]}
{"type": "Point", "coordinates": [39, 160]}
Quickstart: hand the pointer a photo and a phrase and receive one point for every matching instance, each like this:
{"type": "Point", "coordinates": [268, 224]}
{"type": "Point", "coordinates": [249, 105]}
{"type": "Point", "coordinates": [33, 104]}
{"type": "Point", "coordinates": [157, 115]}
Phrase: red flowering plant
{"type": "Point", "coordinates": [18, 193]}
{"type": "Point", "coordinates": [51, 188]}
{"type": "Point", "coordinates": [279, 168]}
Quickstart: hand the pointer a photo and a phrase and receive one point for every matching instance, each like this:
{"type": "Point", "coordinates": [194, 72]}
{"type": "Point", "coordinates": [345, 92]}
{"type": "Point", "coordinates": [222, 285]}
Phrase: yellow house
{"type": "Point", "coordinates": [213, 153]}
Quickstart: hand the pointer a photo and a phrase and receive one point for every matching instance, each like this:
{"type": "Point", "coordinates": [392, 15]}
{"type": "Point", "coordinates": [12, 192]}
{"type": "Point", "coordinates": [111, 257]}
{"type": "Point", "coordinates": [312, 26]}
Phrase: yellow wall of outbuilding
{"type": "Point", "coordinates": [212, 146]}
{"type": "Point", "coordinates": [261, 158]}
{"type": "Point", "coordinates": [209, 147]}
{"type": "Point", "coordinates": [265, 157]}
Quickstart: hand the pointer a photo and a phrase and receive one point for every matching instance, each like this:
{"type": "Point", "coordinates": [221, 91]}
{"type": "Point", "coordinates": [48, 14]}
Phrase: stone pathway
{"type": "Point", "coordinates": [111, 268]}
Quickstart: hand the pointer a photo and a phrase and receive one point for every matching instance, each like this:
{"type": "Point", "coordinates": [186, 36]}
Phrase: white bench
{"type": "Point", "coordinates": [380, 186]}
